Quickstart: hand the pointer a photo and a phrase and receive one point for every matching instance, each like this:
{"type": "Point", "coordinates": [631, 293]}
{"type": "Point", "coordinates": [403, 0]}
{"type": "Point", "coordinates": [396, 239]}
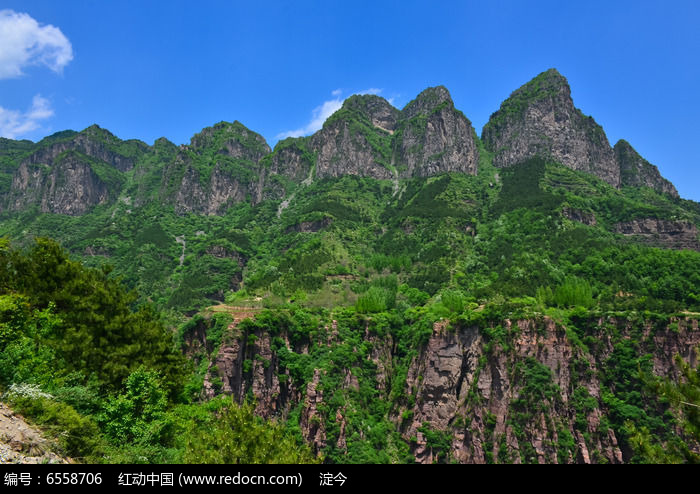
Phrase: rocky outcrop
{"type": "Point", "coordinates": [94, 142]}
{"type": "Point", "coordinates": [432, 137]}
{"type": "Point", "coordinates": [68, 186]}
{"type": "Point", "coordinates": [209, 198]}
{"type": "Point", "coordinates": [309, 226]}
{"type": "Point", "coordinates": [585, 217]}
{"type": "Point", "coordinates": [669, 234]}
{"type": "Point", "coordinates": [369, 137]}
{"type": "Point", "coordinates": [635, 171]}
{"type": "Point", "coordinates": [540, 119]}
{"type": "Point", "coordinates": [219, 168]}
{"type": "Point", "coordinates": [452, 380]}
{"type": "Point", "coordinates": [69, 172]}
{"type": "Point", "coordinates": [20, 443]}
{"type": "Point", "coordinates": [350, 144]}
{"type": "Point", "coordinates": [531, 395]}
{"type": "Point", "coordinates": [221, 252]}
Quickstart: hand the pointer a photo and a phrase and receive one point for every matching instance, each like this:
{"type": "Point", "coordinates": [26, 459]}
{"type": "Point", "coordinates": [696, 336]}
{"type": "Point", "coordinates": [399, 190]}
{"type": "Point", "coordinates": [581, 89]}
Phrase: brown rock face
{"type": "Point", "coordinates": [349, 142]}
{"type": "Point", "coordinates": [94, 142]}
{"type": "Point", "coordinates": [69, 186]}
{"type": "Point", "coordinates": [22, 444]}
{"type": "Point", "coordinates": [290, 159]}
{"type": "Point", "coordinates": [219, 168]}
{"type": "Point", "coordinates": [368, 137]}
{"type": "Point", "coordinates": [661, 233]}
{"type": "Point", "coordinates": [518, 401]}
{"type": "Point", "coordinates": [540, 119]}
{"type": "Point", "coordinates": [584, 217]}
{"type": "Point", "coordinates": [71, 174]}
{"type": "Point", "coordinates": [432, 137]}
{"type": "Point", "coordinates": [212, 198]}
{"type": "Point", "coordinates": [638, 172]}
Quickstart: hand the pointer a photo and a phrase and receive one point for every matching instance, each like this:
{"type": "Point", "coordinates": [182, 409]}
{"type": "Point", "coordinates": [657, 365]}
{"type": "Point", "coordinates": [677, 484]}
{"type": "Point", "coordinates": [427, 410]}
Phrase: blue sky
{"type": "Point", "coordinates": [146, 69]}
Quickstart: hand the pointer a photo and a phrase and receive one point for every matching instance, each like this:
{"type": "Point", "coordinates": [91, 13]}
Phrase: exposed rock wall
{"type": "Point", "coordinates": [219, 168]}
{"type": "Point", "coordinates": [635, 171]}
{"type": "Point", "coordinates": [466, 385]}
{"type": "Point", "coordinates": [540, 119]}
{"type": "Point", "coordinates": [69, 186]}
{"type": "Point", "coordinates": [432, 137]}
{"type": "Point", "coordinates": [349, 144]}
{"type": "Point", "coordinates": [661, 233]}
{"type": "Point", "coordinates": [20, 443]}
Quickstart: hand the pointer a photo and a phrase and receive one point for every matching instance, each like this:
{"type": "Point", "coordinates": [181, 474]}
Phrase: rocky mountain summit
{"type": "Point", "coordinates": [539, 119]}
{"type": "Point", "coordinates": [72, 172]}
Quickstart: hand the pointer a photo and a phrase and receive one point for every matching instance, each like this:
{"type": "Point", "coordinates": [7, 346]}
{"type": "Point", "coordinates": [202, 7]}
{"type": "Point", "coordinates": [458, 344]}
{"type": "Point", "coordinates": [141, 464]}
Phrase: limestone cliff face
{"type": "Point", "coordinates": [669, 234]}
{"type": "Point", "coordinates": [68, 186]}
{"type": "Point", "coordinates": [432, 137]}
{"type": "Point", "coordinates": [69, 173]}
{"type": "Point", "coordinates": [540, 119]}
{"type": "Point", "coordinates": [219, 168]}
{"type": "Point", "coordinates": [637, 172]}
{"type": "Point", "coordinates": [369, 137]}
{"type": "Point", "coordinates": [478, 399]}
{"type": "Point", "coordinates": [95, 142]}
{"type": "Point", "coordinates": [351, 144]}
{"type": "Point", "coordinates": [518, 402]}
{"type": "Point", "coordinates": [289, 164]}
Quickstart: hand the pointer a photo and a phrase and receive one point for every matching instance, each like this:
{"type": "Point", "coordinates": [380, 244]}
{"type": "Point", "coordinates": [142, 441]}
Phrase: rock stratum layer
{"type": "Point", "coordinates": [532, 394]}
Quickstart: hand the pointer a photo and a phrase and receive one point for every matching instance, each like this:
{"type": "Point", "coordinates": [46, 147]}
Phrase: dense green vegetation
{"type": "Point", "coordinates": [103, 375]}
{"type": "Point", "coordinates": [346, 286]}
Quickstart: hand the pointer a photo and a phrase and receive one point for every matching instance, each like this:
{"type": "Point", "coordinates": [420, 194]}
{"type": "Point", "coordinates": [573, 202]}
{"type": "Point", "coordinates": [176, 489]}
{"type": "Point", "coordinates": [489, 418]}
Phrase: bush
{"type": "Point", "coordinates": [237, 436]}
{"type": "Point", "coordinates": [78, 436]}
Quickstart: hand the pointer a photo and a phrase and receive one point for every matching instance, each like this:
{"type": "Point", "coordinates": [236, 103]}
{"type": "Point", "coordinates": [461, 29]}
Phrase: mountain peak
{"type": "Point", "coordinates": [539, 119]}
{"type": "Point", "coordinates": [427, 101]}
{"type": "Point", "coordinates": [232, 138]}
{"type": "Point", "coordinates": [96, 131]}
{"type": "Point", "coordinates": [377, 109]}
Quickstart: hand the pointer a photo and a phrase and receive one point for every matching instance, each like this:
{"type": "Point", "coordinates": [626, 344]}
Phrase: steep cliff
{"type": "Point", "coordinates": [433, 137]}
{"type": "Point", "coordinates": [525, 390]}
{"type": "Point", "coordinates": [540, 119]}
{"type": "Point", "coordinates": [635, 171]}
{"type": "Point", "coordinates": [661, 233]}
{"type": "Point", "coordinates": [356, 139]}
{"type": "Point", "coordinates": [72, 184]}
{"type": "Point", "coordinates": [69, 173]}
{"type": "Point", "coordinates": [219, 168]}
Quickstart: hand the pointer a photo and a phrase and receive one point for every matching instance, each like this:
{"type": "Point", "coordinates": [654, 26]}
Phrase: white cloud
{"type": "Point", "coordinates": [14, 123]}
{"type": "Point", "coordinates": [321, 113]}
{"type": "Point", "coordinates": [23, 42]}
{"type": "Point", "coordinates": [372, 90]}
{"type": "Point", "coordinates": [318, 116]}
